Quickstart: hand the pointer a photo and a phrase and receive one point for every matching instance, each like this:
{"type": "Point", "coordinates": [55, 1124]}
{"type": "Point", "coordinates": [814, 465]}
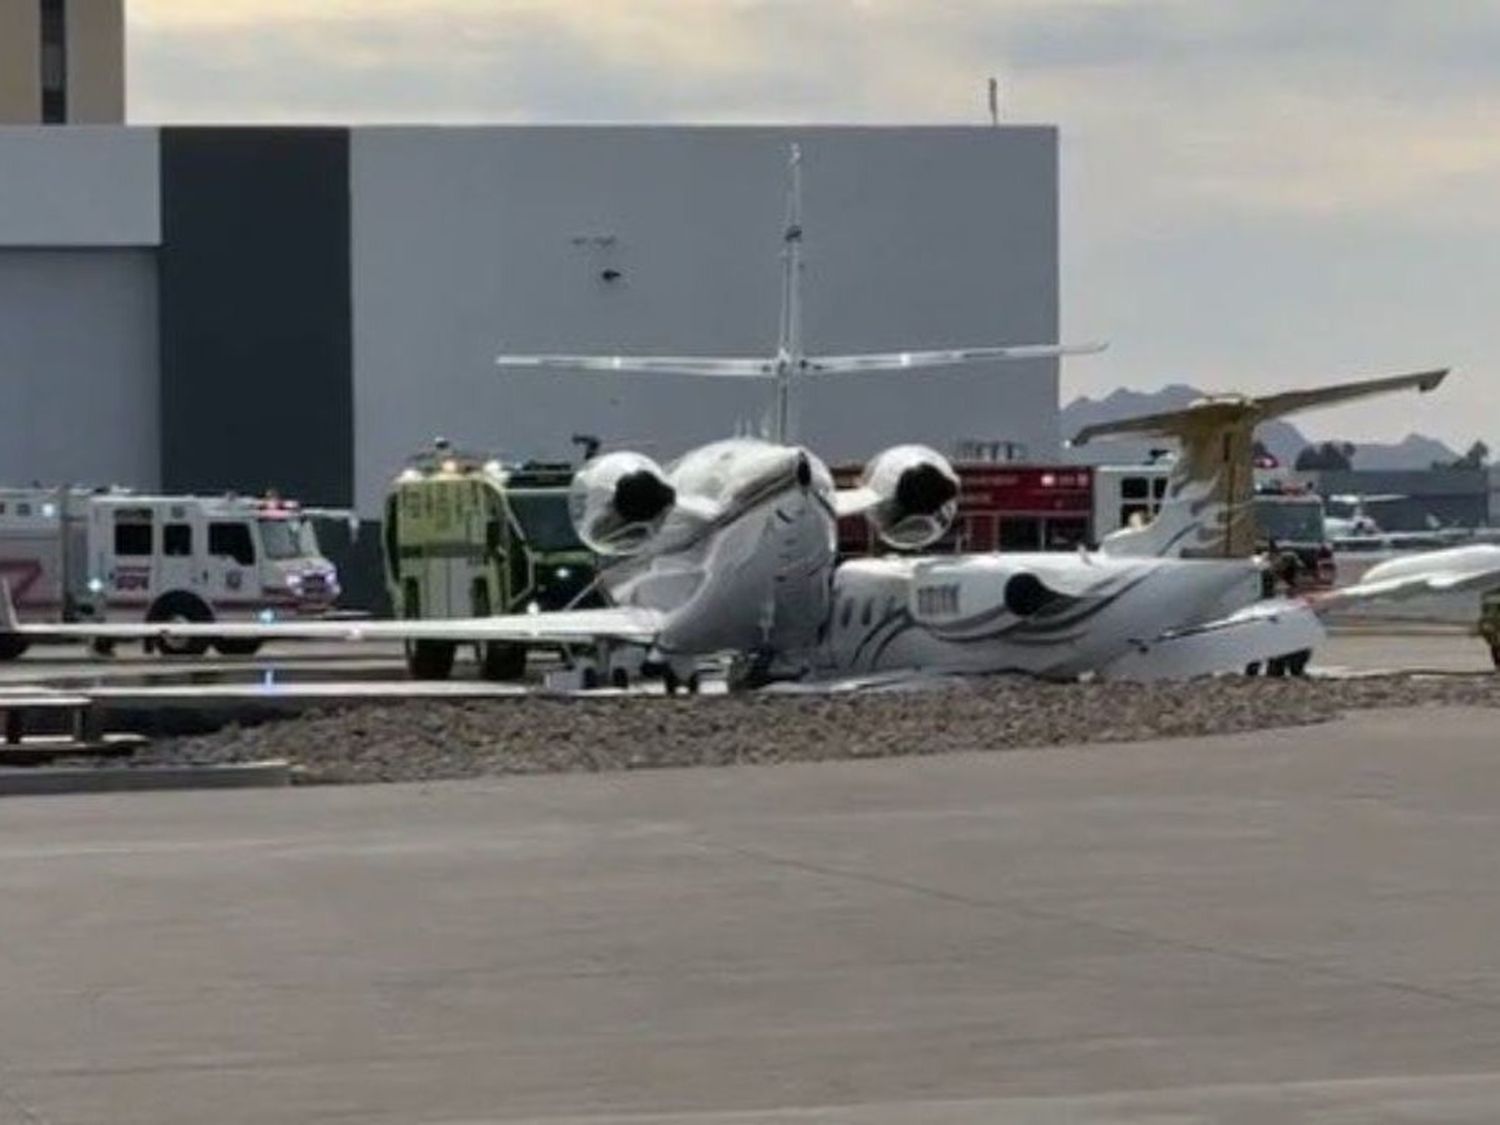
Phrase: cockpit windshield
{"type": "Point", "coordinates": [288, 538]}
{"type": "Point", "coordinates": [1290, 521]}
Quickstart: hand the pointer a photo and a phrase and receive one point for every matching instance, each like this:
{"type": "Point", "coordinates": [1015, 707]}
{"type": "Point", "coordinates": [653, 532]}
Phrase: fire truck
{"type": "Point", "coordinates": [467, 535]}
{"type": "Point", "coordinates": [73, 554]}
{"type": "Point", "coordinates": [1001, 507]}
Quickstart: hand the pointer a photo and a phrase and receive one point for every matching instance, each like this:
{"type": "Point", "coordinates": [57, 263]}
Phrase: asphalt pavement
{"type": "Point", "coordinates": [1296, 926]}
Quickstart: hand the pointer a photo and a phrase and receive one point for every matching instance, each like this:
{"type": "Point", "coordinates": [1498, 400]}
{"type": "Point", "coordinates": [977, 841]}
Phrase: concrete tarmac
{"type": "Point", "coordinates": [1298, 926]}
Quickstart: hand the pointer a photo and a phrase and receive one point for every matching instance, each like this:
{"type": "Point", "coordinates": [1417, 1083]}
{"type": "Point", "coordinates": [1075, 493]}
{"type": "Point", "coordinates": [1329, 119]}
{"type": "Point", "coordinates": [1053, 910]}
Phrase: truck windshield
{"type": "Point", "coordinates": [544, 520]}
{"type": "Point", "coordinates": [1290, 521]}
{"type": "Point", "coordinates": [283, 538]}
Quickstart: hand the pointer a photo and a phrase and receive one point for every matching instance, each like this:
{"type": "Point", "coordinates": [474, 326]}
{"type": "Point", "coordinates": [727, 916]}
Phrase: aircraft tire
{"type": "Point", "coordinates": [430, 660]}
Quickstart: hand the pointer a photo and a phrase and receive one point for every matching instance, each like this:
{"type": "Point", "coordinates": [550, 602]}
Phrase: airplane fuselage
{"type": "Point", "coordinates": [1052, 615]}
{"type": "Point", "coordinates": [755, 576]}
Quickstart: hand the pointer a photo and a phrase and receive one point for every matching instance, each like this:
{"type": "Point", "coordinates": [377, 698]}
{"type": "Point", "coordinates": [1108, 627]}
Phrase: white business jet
{"type": "Point", "coordinates": [731, 550]}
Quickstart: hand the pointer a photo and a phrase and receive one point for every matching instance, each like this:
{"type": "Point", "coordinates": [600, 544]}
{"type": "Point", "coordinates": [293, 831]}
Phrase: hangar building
{"type": "Point", "coordinates": [302, 308]}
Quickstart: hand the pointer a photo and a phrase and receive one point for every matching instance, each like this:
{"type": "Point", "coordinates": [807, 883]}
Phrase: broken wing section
{"type": "Point", "coordinates": [1258, 633]}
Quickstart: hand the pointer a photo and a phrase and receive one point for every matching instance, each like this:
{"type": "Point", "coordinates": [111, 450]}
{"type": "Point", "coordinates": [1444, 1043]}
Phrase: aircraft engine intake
{"type": "Point", "coordinates": [1026, 594]}
{"type": "Point", "coordinates": [618, 502]}
{"type": "Point", "coordinates": [918, 496]}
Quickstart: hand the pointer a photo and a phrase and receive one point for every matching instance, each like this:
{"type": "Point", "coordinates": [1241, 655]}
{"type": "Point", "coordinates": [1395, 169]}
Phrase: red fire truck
{"type": "Point", "coordinates": [1010, 507]}
{"type": "Point", "coordinates": [1001, 507]}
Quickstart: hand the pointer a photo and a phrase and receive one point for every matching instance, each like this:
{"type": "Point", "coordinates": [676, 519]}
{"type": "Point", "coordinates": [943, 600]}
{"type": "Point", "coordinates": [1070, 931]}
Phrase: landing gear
{"type": "Point", "coordinates": [1279, 667]}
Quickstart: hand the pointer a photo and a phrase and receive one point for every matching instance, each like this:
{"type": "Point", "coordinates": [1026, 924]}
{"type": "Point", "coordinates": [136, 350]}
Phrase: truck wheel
{"type": "Point", "coordinates": [185, 608]}
{"type": "Point", "coordinates": [1297, 663]}
{"type": "Point", "coordinates": [430, 660]}
{"type": "Point", "coordinates": [237, 646]}
{"type": "Point", "coordinates": [501, 661]}
{"type": "Point", "coordinates": [13, 648]}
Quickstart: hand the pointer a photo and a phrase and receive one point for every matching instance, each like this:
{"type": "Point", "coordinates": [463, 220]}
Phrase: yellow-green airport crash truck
{"type": "Point", "coordinates": [468, 536]}
{"type": "Point", "coordinates": [1489, 624]}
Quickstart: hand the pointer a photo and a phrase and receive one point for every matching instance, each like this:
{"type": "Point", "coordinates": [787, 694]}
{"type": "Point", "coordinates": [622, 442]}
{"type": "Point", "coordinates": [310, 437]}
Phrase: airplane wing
{"type": "Point", "coordinates": [731, 366]}
{"type": "Point", "coordinates": [625, 624]}
{"type": "Point", "coordinates": [943, 357]}
{"type": "Point", "coordinates": [1260, 632]}
{"type": "Point", "coordinates": [1448, 570]}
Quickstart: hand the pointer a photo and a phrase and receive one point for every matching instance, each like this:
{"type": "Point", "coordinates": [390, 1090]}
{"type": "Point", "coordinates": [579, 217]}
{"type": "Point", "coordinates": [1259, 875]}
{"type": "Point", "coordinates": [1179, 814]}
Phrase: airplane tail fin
{"type": "Point", "coordinates": [1209, 509]}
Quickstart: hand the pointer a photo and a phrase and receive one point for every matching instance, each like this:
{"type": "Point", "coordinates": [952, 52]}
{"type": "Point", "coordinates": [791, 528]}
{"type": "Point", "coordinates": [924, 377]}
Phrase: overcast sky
{"type": "Point", "coordinates": [1255, 194]}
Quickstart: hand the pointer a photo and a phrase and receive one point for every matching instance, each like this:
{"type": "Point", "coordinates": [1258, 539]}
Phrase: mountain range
{"type": "Point", "coordinates": [1280, 437]}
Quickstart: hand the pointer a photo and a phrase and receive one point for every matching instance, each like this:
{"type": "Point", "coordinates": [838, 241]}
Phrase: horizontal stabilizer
{"type": "Point", "coordinates": [744, 367]}
{"type": "Point", "coordinates": [945, 357]}
{"type": "Point", "coordinates": [1219, 410]}
{"type": "Point", "coordinates": [730, 366]}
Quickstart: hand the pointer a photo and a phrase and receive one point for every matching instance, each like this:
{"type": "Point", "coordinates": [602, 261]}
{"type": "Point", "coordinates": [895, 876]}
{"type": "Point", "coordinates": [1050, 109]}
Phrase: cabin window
{"type": "Point", "coordinates": [177, 540]}
{"type": "Point", "coordinates": [1134, 488]}
{"type": "Point", "coordinates": [1159, 487]}
{"type": "Point", "coordinates": [133, 533]}
{"type": "Point", "coordinates": [232, 541]}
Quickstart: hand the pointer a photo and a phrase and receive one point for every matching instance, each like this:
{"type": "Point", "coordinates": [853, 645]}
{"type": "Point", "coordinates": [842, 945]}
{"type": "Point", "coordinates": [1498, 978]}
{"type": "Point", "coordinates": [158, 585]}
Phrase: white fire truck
{"type": "Point", "coordinates": [71, 554]}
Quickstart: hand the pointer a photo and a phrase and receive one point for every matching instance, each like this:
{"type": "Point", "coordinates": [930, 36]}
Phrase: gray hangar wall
{"type": "Point", "coordinates": [78, 324]}
{"type": "Point", "coordinates": [467, 242]}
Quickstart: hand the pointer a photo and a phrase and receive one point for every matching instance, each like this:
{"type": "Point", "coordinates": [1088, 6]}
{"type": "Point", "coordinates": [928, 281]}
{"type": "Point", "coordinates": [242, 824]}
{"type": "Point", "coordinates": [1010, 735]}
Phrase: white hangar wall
{"type": "Point", "coordinates": [466, 242]}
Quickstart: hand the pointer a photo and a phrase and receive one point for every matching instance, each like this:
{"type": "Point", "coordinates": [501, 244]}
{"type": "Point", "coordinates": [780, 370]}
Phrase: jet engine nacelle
{"type": "Point", "coordinates": [618, 502]}
{"type": "Point", "coordinates": [918, 495]}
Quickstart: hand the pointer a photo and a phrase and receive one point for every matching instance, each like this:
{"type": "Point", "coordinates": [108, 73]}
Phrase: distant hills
{"type": "Point", "coordinates": [1282, 438]}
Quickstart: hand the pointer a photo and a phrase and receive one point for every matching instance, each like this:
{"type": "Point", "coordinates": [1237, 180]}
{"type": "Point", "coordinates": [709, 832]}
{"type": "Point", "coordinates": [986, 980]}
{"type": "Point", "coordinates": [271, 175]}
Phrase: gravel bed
{"type": "Point", "coordinates": [417, 741]}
